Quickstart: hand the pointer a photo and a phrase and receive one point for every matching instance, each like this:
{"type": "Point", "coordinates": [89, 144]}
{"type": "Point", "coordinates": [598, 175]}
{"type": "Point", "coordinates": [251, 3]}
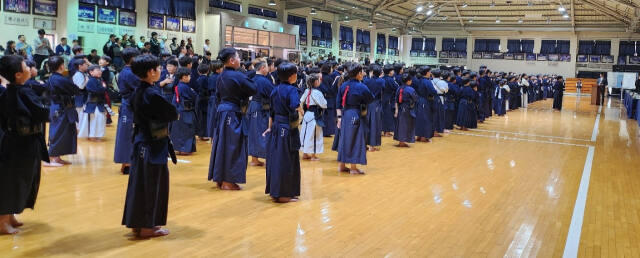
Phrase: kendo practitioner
{"type": "Point", "coordinates": [313, 104]}
{"type": "Point", "coordinates": [127, 83]}
{"type": "Point", "coordinates": [374, 111]}
{"type": "Point", "coordinates": [425, 105]}
{"type": "Point", "coordinates": [228, 164]}
{"type": "Point", "coordinates": [80, 78]}
{"type": "Point", "coordinates": [95, 114]}
{"type": "Point", "coordinates": [450, 101]}
{"type": "Point", "coordinates": [168, 81]}
{"type": "Point", "coordinates": [513, 86]}
{"type": "Point", "coordinates": [183, 130]}
{"type": "Point", "coordinates": [216, 68]}
{"type": "Point", "coordinates": [467, 113]}
{"type": "Point", "coordinates": [501, 92]}
{"type": "Point", "coordinates": [390, 87]}
{"type": "Point", "coordinates": [22, 144]}
{"type": "Point", "coordinates": [146, 204]}
{"type": "Point", "coordinates": [558, 92]}
{"type": "Point", "coordinates": [441, 87]}
{"type": "Point", "coordinates": [354, 97]}
{"type": "Point", "coordinates": [329, 88]}
{"type": "Point", "coordinates": [405, 100]}
{"type": "Point", "coordinates": [398, 71]}
{"type": "Point", "coordinates": [486, 93]}
{"type": "Point", "coordinates": [63, 136]}
{"type": "Point", "coordinates": [258, 115]}
{"type": "Point", "coordinates": [283, 160]}
{"type": "Point", "coordinates": [202, 102]}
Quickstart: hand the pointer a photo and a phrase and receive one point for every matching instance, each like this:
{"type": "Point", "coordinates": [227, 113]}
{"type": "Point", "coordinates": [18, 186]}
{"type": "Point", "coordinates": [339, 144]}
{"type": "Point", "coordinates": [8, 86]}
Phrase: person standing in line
{"type": "Point", "coordinates": [424, 109]}
{"type": "Point", "coordinates": [22, 144]}
{"type": "Point", "coordinates": [390, 87]}
{"type": "Point", "coordinates": [202, 101]}
{"type": "Point", "coordinates": [207, 48]}
{"type": "Point", "coordinates": [168, 80]}
{"type": "Point", "coordinates": [80, 78]}
{"type": "Point", "coordinates": [374, 111]}
{"type": "Point", "coordinates": [558, 92]}
{"type": "Point", "coordinates": [94, 114]}
{"type": "Point", "coordinates": [405, 115]}
{"type": "Point", "coordinates": [579, 86]}
{"type": "Point", "coordinates": [183, 130]}
{"type": "Point", "coordinates": [127, 83]}
{"type": "Point", "coordinates": [353, 99]}
{"type": "Point", "coordinates": [212, 81]}
{"type": "Point", "coordinates": [451, 101]}
{"type": "Point", "coordinates": [313, 104]}
{"type": "Point", "coordinates": [441, 88]}
{"type": "Point", "coordinates": [228, 163]}
{"type": "Point", "coordinates": [283, 160]}
{"type": "Point", "coordinates": [63, 136]}
{"type": "Point", "coordinates": [258, 116]}
{"type": "Point", "coordinates": [147, 199]}
{"type": "Point", "coordinates": [43, 46]}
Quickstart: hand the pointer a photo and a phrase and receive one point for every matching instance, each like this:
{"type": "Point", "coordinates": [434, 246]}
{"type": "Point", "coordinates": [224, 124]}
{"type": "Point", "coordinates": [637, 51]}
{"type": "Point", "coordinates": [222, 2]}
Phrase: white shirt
{"type": "Point", "coordinates": [206, 49]}
{"type": "Point", "coordinates": [316, 98]}
{"type": "Point", "coordinates": [80, 80]}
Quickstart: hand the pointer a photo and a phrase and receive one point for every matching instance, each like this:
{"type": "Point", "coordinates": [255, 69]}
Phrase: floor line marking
{"type": "Point", "coordinates": [520, 139]}
{"type": "Point", "coordinates": [180, 160]}
{"type": "Point", "coordinates": [526, 134]}
{"type": "Point", "coordinates": [575, 228]}
{"type": "Point", "coordinates": [594, 134]}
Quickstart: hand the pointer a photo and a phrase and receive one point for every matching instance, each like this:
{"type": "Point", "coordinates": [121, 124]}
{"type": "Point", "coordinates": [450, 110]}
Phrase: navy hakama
{"type": "Point", "coordinates": [352, 147]}
{"type": "Point", "coordinates": [228, 161]}
{"type": "Point", "coordinates": [201, 106]}
{"type": "Point", "coordinates": [424, 108]}
{"type": "Point", "coordinates": [257, 117]}
{"type": "Point", "coordinates": [374, 112]}
{"type": "Point", "coordinates": [127, 83]}
{"type": "Point", "coordinates": [283, 160]}
{"type": "Point", "coordinates": [405, 122]}
{"type": "Point", "coordinates": [388, 104]}
{"type": "Point", "coordinates": [450, 108]}
{"type": "Point", "coordinates": [22, 148]}
{"type": "Point", "coordinates": [467, 113]}
{"type": "Point", "coordinates": [183, 130]}
{"type": "Point", "coordinates": [212, 108]}
{"type": "Point", "coordinates": [147, 196]}
{"type": "Point", "coordinates": [63, 136]}
{"type": "Point", "coordinates": [558, 92]}
{"type": "Point", "coordinates": [329, 87]}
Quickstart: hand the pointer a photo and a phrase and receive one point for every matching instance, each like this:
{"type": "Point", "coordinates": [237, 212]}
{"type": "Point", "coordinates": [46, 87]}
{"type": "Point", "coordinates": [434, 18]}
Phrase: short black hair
{"type": "Point", "coordinates": [76, 49]}
{"type": "Point", "coordinates": [215, 65]}
{"type": "Point", "coordinates": [377, 71]}
{"type": "Point", "coordinates": [436, 73]}
{"type": "Point", "coordinates": [387, 69]}
{"type": "Point", "coordinates": [406, 78]}
{"type": "Point", "coordinates": [144, 63]}
{"type": "Point", "coordinates": [9, 66]}
{"type": "Point", "coordinates": [353, 69]}
{"type": "Point", "coordinates": [185, 61]}
{"type": "Point", "coordinates": [465, 81]}
{"type": "Point", "coordinates": [54, 63]}
{"type": "Point", "coordinates": [173, 62]}
{"type": "Point", "coordinates": [182, 72]}
{"type": "Point", "coordinates": [129, 53]}
{"type": "Point", "coordinates": [285, 70]}
{"type": "Point", "coordinates": [94, 51]}
{"type": "Point", "coordinates": [473, 84]}
{"type": "Point", "coordinates": [278, 62]}
{"type": "Point", "coordinates": [412, 71]}
{"type": "Point", "coordinates": [30, 63]}
{"type": "Point", "coordinates": [93, 67]}
{"type": "Point", "coordinates": [106, 58]}
{"type": "Point", "coordinates": [203, 69]}
{"type": "Point", "coordinates": [446, 75]}
{"type": "Point", "coordinates": [226, 53]}
{"type": "Point", "coordinates": [41, 32]}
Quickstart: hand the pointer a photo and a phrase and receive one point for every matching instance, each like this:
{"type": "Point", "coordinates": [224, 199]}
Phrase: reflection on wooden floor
{"type": "Point", "coordinates": [507, 189]}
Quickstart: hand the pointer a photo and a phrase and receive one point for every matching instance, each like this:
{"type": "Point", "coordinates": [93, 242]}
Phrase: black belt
{"type": "Point", "coordinates": [25, 130]}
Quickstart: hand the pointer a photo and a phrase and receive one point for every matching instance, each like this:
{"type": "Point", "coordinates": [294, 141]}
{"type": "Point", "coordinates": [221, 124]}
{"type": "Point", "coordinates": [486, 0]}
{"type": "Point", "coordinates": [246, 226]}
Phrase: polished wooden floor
{"type": "Point", "coordinates": [507, 189]}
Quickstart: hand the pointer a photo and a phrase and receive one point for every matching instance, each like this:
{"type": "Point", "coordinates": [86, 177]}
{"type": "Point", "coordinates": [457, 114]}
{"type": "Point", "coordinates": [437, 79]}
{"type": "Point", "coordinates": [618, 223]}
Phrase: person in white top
{"type": "Point", "coordinates": [80, 79]}
{"type": "Point", "coordinates": [313, 102]}
{"type": "Point", "coordinates": [524, 90]}
{"type": "Point", "coordinates": [206, 47]}
{"type": "Point", "coordinates": [442, 87]}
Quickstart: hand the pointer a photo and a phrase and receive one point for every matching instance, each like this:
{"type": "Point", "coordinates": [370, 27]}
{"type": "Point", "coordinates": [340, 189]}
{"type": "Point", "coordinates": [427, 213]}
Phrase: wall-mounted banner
{"type": "Point", "coordinates": [127, 30]}
{"type": "Point", "coordinates": [12, 19]}
{"type": "Point", "coordinates": [44, 24]}
{"type": "Point", "coordinates": [86, 27]}
{"type": "Point", "coordinates": [106, 29]}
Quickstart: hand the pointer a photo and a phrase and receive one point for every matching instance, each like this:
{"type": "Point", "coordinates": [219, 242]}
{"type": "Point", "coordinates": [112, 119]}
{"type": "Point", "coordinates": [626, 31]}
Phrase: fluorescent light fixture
{"type": "Point", "coordinates": [520, 20]}
{"type": "Point", "coordinates": [561, 9]}
{"type": "Point", "coordinates": [493, 4]}
{"type": "Point", "coordinates": [313, 11]}
{"type": "Point", "coordinates": [565, 15]}
{"type": "Point", "coordinates": [497, 20]}
{"type": "Point", "coordinates": [370, 24]}
{"type": "Point", "coordinates": [419, 8]}
{"type": "Point", "coordinates": [431, 5]}
{"type": "Point", "coordinates": [429, 12]}
{"type": "Point", "coordinates": [272, 2]}
{"type": "Point", "coordinates": [464, 5]}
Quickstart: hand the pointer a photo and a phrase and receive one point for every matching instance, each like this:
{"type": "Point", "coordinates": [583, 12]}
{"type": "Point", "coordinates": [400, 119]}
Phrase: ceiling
{"type": "Point", "coordinates": [477, 15]}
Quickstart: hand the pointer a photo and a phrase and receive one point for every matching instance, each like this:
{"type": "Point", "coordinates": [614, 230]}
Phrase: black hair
{"type": "Point", "coordinates": [144, 63]}
{"type": "Point", "coordinates": [76, 49]}
{"type": "Point", "coordinates": [30, 63]}
{"type": "Point", "coordinates": [54, 63]}
{"type": "Point", "coordinates": [314, 70]}
{"type": "Point", "coordinates": [129, 53]}
{"type": "Point", "coordinates": [77, 62]}
{"type": "Point", "coordinates": [285, 70]}
{"type": "Point", "coordinates": [41, 32]}
{"type": "Point", "coordinates": [436, 73]}
{"type": "Point", "coordinates": [154, 34]}
{"type": "Point", "coordinates": [353, 69]}
{"type": "Point", "coordinates": [10, 65]}
{"type": "Point", "coordinates": [387, 69]}
{"type": "Point", "coordinates": [226, 53]}
{"type": "Point", "coordinates": [173, 62]}
{"type": "Point", "coordinates": [446, 76]}
{"type": "Point", "coordinates": [106, 58]}
{"type": "Point", "coordinates": [473, 84]}
{"type": "Point", "coordinates": [406, 78]}
{"type": "Point", "coordinates": [203, 69]}
{"type": "Point", "coordinates": [312, 79]}
{"type": "Point", "coordinates": [93, 67]}
{"type": "Point", "coordinates": [326, 68]}
{"type": "Point", "coordinates": [465, 81]}
{"type": "Point", "coordinates": [185, 61]}
{"type": "Point", "coordinates": [377, 71]}
{"type": "Point", "coordinates": [94, 51]}
{"type": "Point", "coordinates": [215, 65]}
{"type": "Point", "coordinates": [182, 72]}
{"type": "Point", "coordinates": [278, 62]}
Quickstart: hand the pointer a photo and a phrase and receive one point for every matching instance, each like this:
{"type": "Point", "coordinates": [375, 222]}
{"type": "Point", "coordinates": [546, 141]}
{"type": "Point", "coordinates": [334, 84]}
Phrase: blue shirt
{"type": "Point", "coordinates": [390, 87]}
{"type": "Point", "coordinates": [127, 82]}
{"type": "Point", "coordinates": [63, 50]}
{"type": "Point", "coordinates": [375, 85]}
{"type": "Point", "coordinates": [358, 94]}
{"type": "Point", "coordinates": [284, 100]}
{"type": "Point", "coordinates": [264, 88]}
{"type": "Point", "coordinates": [234, 87]}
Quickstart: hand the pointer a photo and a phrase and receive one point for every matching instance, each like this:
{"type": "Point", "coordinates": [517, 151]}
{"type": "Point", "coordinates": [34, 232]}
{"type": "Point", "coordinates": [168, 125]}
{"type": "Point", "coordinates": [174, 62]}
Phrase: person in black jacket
{"type": "Point", "coordinates": [22, 145]}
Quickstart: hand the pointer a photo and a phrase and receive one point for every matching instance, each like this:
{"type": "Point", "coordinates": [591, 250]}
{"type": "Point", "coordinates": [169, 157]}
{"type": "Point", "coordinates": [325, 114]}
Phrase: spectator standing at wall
{"type": "Point", "coordinates": [24, 46]}
{"type": "Point", "coordinates": [42, 48]}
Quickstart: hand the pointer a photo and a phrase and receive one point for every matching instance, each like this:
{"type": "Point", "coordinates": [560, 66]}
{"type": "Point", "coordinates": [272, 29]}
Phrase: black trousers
{"type": "Point", "coordinates": [600, 93]}
{"type": "Point", "coordinates": [38, 59]}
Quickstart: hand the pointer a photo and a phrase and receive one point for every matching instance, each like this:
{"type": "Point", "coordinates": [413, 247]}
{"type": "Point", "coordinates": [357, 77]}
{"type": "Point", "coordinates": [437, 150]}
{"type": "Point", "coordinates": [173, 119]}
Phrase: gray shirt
{"type": "Point", "coordinates": [39, 49]}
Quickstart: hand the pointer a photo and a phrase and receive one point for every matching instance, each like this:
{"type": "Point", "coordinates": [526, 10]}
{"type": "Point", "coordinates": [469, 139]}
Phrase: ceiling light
{"type": "Point", "coordinates": [353, 7]}
{"type": "Point", "coordinates": [272, 2]}
{"type": "Point", "coordinates": [493, 4]}
{"type": "Point", "coordinates": [529, 3]}
{"type": "Point", "coordinates": [520, 20]}
{"type": "Point", "coordinates": [565, 15]}
{"type": "Point", "coordinates": [431, 5]}
{"type": "Point", "coordinates": [561, 9]}
{"type": "Point", "coordinates": [470, 20]}
{"type": "Point", "coordinates": [313, 11]}
{"type": "Point", "coordinates": [464, 5]}
{"type": "Point", "coordinates": [393, 29]}
{"type": "Point", "coordinates": [378, 14]}
{"type": "Point", "coordinates": [419, 9]}
{"type": "Point", "coordinates": [497, 20]}
{"type": "Point", "coordinates": [548, 19]}
{"type": "Point", "coordinates": [429, 12]}
{"type": "Point", "coordinates": [370, 24]}
{"type": "Point", "coordinates": [346, 19]}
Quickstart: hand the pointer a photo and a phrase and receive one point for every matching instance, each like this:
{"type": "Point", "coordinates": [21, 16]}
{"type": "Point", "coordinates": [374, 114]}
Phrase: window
{"type": "Point", "coordinates": [590, 47]}
{"type": "Point", "coordinates": [555, 47]}
{"type": "Point", "coordinates": [417, 44]}
{"type": "Point", "coordinates": [122, 4]}
{"type": "Point", "coordinates": [381, 44]}
{"type": "Point", "coordinates": [262, 12]}
{"type": "Point", "coordinates": [448, 44]}
{"type": "Point", "coordinates": [628, 48]}
{"type": "Point", "coordinates": [393, 46]}
{"type": "Point", "coordinates": [429, 44]}
{"type": "Point", "coordinates": [487, 45]}
{"type": "Point", "coordinates": [519, 46]}
{"type": "Point", "coordinates": [321, 34]}
{"type": "Point", "coordinates": [227, 5]}
{"type": "Point", "coordinates": [302, 27]}
{"type": "Point", "coordinates": [176, 8]}
{"type": "Point", "coordinates": [363, 41]}
{"type": "Point", "coordinates": [346, 38]}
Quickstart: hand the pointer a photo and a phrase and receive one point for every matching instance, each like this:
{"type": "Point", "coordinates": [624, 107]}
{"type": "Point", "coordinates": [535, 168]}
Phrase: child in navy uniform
{"type": "Point", "coordinates": [95, 114]}
{"type": "Point", "coordinates": [406, 98]}
{"type": "Point", "coordinates": [183, 130]}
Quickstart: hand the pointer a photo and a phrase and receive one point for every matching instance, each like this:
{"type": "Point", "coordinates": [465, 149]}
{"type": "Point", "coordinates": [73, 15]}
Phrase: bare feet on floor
{"type": "Point", "coordinates": [230, 186]}
{"type": "Point", "coordinates": [153, 232]}
{"type": "Point", "coordinates": [15, 222]}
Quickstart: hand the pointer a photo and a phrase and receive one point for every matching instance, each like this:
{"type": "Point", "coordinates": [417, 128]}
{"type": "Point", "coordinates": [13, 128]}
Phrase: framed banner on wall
{"type": "Point", "coordinates": [172, 23]}
{"type": "Point", "coordinates": [188, 26]}
{"type": "Point", "coordinates": [126, 18]}
{"type": "Point", "coordinates": [17, 6]}
{"type": "Point", "coordinates": [86, 12]}
{"type": "Point", "coordinates": [156, 21]}
{"type": "Point", "coordinates": [106, 15]}
{"type": "Point", "coordinates": [45, 7]}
